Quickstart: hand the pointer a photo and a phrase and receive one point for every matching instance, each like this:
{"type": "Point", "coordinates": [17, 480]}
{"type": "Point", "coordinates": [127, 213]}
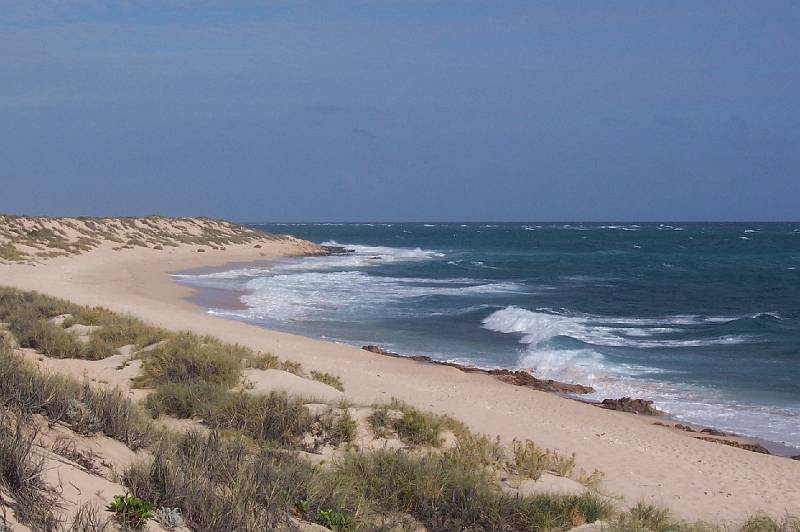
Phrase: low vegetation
{"type": "Point", "coordinates": [20, 473]}
{"type": "Point", "coordinates": [33, 238]}
{"type": "Point", "coordinates": [649, 518]}
{"type": "Point", "coordinates": [33, 319]}
{"type": "Point", "coordinates": [410, 424]}
{"type": "Point", "coordinates": [327, 378]}
{"type": "Point", "coordinates": [186, 358]}
{"type": "Point", "coordinates": [131, 512]}
{"type": "Point", "coordinates": [83, 408]}
{"type": "Point", "coordinates": [532, 461]}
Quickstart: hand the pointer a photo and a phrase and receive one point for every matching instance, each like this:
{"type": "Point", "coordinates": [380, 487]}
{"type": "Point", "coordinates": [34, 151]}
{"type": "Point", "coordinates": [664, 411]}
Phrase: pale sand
{"type": "Point", "coordinates": [641, 462]}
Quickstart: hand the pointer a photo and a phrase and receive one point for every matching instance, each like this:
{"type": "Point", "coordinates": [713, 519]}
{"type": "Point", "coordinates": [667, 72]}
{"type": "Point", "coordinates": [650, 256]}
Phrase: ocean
{"type": "Point", "coordinates": [702, 318]}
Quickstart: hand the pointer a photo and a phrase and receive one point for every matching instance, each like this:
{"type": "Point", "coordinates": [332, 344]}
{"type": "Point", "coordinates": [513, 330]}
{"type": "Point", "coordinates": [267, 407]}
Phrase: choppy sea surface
{"type": "Point", "coordinates": [702, 318]}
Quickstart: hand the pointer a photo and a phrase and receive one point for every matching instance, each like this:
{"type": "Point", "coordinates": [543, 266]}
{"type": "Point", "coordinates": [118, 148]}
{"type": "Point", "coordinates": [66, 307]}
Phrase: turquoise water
{"type": "Point", "coordinates": [702, 318]}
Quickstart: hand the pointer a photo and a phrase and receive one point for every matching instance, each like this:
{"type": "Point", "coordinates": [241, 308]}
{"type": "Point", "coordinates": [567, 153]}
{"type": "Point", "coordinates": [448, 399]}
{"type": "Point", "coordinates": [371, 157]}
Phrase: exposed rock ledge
{"type": "Point", "coordinates": [755, 447]}
{"type": "Point", "coordinates": [517, 378]}
{"type": "Point", "coordinates": [632, 406]}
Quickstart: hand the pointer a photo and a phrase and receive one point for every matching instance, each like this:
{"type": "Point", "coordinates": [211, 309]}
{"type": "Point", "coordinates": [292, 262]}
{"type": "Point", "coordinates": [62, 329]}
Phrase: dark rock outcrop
{"type": "Point", "coordinates": [517, 378]}
{"type": "Point", "coordinates": [523, 378]}
{"type": "Point", "coordinates": [754, 447]}
{"type": "Point", "coordinates": [715, 432]}
{"type": "Point", "coordinates": [632, 406]}
{"type": "Point", "coordinates": [336, 250]}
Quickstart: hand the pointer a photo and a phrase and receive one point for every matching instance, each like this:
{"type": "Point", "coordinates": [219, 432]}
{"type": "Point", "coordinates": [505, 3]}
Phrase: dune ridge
{"type": "Point", "coordinates": [36, 238]}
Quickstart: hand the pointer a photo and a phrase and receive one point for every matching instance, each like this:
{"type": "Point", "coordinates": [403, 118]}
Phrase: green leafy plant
{"type": "Point", "coordinates": [131, 511]}
{"type": "Point", "coordinates": [335, 520]}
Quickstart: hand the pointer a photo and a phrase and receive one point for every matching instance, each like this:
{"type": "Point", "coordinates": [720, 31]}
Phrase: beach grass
{"type": "Point", "coordinates": [411, 424]}
{"type": "Point", "coordinates": [327, 378]}
{"type": "Point", "coordinates": [83, 408]}
{"type": "Point", "coordinates": [21, 472]}
{"type": "Point", "coordinates": [187, 357]}
{"type": "Point", "coordinates": [532, 461]}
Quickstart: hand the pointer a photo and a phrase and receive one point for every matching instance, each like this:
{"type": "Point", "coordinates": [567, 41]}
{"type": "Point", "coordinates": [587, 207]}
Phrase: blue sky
{"type": "Point", "coordinates": [402, 110]}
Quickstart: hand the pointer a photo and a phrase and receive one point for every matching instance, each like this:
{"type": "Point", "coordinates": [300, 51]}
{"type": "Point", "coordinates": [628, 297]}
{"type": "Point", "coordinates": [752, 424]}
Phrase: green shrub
{"type": "Point", "coordinates": [130, 511]}
{"type": "Point", "coordinates": [119, 330]}
{"type": "Point", "coordinates": [219, 484]}
{"type": "Point", "coordinates": [10, 253]}
{"type": "Point", "coordinates": [186, 400]}
{"type": "Point", "coordinates": [186, 357]}
{"type": "Point", "coordinates": [335, 520]}
{"type": "Point", "coordinates": [292, 367]}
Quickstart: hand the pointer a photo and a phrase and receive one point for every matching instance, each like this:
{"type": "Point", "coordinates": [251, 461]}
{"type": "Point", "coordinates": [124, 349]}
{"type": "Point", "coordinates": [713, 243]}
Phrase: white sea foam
{"type": "Point", "coordinates": [227, 274]}
{"type": "Point", "coordinates": [588, 366]}
{"type": "Point", "coordinates": [349, 294]}
{"type": "Point", "coordinates": [388, 253]}
{"type": "Point", "coordinates": [539, 327]}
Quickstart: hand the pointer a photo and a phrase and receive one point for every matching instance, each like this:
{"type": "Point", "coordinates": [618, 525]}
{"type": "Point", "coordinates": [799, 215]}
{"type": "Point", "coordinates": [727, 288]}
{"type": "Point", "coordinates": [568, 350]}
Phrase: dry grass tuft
{"type": "Point", "coordinates": [412, 425]}
{"type": "Point", "coordinates": [21, 470]}
{"type": "Point", "coordinates": [531, 461]}
{"type": "Point", "coordinates": [327, 378]}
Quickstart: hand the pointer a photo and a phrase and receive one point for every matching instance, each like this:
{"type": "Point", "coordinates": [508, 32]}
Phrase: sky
{"type": "Point", "coordinates": [401, 110]}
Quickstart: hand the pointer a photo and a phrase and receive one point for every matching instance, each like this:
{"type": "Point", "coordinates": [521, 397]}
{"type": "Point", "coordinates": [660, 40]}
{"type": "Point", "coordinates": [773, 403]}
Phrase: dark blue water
{"type": "Point", "coordinates": [703, 318]}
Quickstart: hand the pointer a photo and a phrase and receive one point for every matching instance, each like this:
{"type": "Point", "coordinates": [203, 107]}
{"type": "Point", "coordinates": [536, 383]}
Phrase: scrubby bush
{"type": "Point", "coordinates": [131, 511]}
{"type": "Point", "coordinates": [214, 482]}
{"type": "Point", "coordinates": [186, 400]}
{"type": "Point", "coordinates": [336, 426]}
{"type": "Point", "coordinates": [410, 424]}
{"type": "Point", "coordinates": [531, 461]}
{"type": "Point", "coordinates": [274, 417]}
{"type": "Point", "coordinates": [186, 357]}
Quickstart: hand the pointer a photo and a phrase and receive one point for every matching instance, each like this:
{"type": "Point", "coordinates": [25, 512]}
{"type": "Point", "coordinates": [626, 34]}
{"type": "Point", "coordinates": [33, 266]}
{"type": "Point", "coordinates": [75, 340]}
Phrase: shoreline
{"type": "Point", "coordinates": [641, 462]}
{"type": "Point", "coordinates": [203, 297]}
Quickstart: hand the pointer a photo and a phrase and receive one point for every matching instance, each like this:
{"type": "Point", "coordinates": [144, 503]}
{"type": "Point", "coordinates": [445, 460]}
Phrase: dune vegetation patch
{"type": "Point", "coordinates": [411, 424]}
{"type": "Point", "coordinates": [47, 325]}
{"type": "Point", "coordinates": [327, 378]}
{"type": "Point", "coordinates": [35, 238]}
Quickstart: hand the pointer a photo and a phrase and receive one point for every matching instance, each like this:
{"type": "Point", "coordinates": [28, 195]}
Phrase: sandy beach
{"type": "Point", "coordinates": [641, 461]}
